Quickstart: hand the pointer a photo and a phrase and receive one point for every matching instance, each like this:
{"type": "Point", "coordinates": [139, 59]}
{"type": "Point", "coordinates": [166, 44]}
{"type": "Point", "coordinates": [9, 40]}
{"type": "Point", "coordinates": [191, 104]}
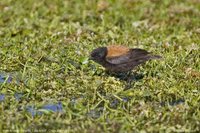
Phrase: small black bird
{"type": "Point", "coordinates": [120, 58]}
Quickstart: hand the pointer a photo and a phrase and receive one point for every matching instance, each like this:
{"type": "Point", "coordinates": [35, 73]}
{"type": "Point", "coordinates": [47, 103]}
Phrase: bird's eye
{"type": "Point", "coordinates": [94, 55]}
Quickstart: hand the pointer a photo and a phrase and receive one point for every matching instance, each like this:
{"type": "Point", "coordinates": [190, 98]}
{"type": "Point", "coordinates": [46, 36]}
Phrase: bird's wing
{"type": "Point", "coordinates": [118, 59]}
{"type": "Point", "coordinates": [135, 56]}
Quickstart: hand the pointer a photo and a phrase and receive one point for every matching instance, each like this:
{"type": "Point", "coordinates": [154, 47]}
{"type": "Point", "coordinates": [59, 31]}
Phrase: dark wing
{"type": "Point", "coordinates": [134, 56]}
{"type": "Point", "coordinates": [118, 59]}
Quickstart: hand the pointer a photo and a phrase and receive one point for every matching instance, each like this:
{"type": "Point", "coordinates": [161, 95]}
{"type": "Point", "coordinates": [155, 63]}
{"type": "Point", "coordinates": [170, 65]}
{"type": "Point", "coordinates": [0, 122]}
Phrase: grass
{"type": "Point", "coordinates": [45, 45]}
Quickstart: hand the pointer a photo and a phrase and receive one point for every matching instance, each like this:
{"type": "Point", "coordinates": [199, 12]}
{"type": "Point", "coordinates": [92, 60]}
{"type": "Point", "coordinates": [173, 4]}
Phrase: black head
{"type": "Point", "coordinates": [98, 54]}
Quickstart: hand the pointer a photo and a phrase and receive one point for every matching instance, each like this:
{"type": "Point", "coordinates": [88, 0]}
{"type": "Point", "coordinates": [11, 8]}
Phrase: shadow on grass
{"type": "Point", "coordinates": [128, 77]}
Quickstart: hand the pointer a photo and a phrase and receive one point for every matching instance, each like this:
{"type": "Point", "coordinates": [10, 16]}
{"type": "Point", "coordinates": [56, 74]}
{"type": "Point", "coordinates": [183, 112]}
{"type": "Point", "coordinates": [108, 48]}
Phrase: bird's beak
{"type": "Point", "coordinates": [90, 58]}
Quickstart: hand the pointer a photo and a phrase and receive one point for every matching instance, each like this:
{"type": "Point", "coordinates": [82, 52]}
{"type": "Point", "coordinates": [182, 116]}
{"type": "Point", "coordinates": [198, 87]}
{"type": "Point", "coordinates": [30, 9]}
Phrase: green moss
{"type": "Point", "coordinates": [45, 45]}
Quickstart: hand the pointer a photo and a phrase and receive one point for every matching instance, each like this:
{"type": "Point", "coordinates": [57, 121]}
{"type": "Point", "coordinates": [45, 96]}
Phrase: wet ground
{"type": "Point", "coordinates": [57, 107]}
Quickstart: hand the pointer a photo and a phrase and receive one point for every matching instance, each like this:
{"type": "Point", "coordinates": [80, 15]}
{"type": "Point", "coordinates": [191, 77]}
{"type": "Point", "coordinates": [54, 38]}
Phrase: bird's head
{"type": "Point", "coordinates": [99, 54]}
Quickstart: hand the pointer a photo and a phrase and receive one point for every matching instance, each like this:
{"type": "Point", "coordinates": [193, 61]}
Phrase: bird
{"type": "Point", "coordinates": [118, 58]}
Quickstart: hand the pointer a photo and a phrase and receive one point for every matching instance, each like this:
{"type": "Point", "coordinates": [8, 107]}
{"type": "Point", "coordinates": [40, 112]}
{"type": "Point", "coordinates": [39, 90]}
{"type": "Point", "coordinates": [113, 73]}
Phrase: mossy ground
{"type": "Point", "coordinates": [45, 45]}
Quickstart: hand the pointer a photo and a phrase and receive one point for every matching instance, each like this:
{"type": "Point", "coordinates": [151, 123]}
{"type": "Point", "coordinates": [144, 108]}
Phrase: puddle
{"type": "Point", "coordinates": [11, 77]}
{"type": "Point", "coordinates": [114, 103]}
{"type": "Point", "coordinates": [18, 96]}
{"type": "Point", "coordinates": [2, 97]}
{"type": "Point", "coordinates": [95, 113]}
{"type": "Point", "coordinates": [125, 99]}
{"type": "Point", "coordinates": [32, 109]}
{"type": "Point", "coordinates": [5, 78]}
{"type": "Point", "coordinates": [45, 108]}
{"type": "Point", "coordinates": [53, 107]}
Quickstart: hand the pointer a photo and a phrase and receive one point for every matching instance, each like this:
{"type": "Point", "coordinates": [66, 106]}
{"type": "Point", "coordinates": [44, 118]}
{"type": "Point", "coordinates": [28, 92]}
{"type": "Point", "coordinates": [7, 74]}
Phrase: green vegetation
{"type": "Point", "coordinates": [45, 44]}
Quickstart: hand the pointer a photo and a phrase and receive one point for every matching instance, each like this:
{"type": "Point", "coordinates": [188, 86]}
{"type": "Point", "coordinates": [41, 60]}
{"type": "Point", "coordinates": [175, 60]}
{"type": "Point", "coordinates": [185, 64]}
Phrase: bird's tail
{"type": "Point", "coordinates": [155, 57]}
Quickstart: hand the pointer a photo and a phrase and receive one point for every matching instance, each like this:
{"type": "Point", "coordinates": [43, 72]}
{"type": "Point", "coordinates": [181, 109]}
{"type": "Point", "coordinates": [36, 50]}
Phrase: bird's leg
{"type": "Point", "coordinates": [129, 80]}
{"type": "Point", "coordinates": [108, 72]}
